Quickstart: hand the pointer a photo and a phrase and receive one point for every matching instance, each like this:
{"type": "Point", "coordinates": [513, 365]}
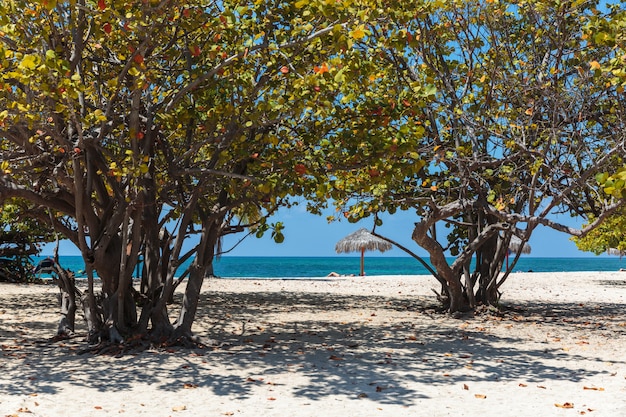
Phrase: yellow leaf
{"type": "Point", "coordinates": [358, 33]}
{"type": "Point", "coordinates": [29, 62]}
{"type": "Point", "coordinates": [300, 4]}
{"type": "Point", "coordinates": [595, 65]}
{"type": "Point", "coordinates": [529, 111]}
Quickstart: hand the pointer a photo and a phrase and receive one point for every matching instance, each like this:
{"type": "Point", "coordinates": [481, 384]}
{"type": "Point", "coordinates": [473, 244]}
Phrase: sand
{"type": "Point", "coordinates": [374, 346]}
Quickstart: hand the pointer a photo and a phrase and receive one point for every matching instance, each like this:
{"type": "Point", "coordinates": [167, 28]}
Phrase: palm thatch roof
{"type": "Point", "coordinates": [614, 251]}
{"type": "Point", "coordinates": [360, 240]}
{"type": "Point", "coordinates": [515, 246]}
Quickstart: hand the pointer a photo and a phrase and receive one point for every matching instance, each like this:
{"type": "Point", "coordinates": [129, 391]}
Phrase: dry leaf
{"type": "Point", "coordinates": [480, 396]}
{"type": "Point", "coordinates": [188, 386]}
{"type": "Point", "coordinates": [541, 386]}
{"type": "Point", "coordinates": [271, 399]}
{"type": "Point", "coordinates": [465, 387]}
{"type": "Point", "coordinates": [523, 385]}
{"type": "Point", "coordinates": [179, 408]}
{"type": "Point", "coordinates": [594, 388]}
{"type": "Point", "coordinates": [565, 405]}
{"type": "Point", "coordinates": [97, 407]}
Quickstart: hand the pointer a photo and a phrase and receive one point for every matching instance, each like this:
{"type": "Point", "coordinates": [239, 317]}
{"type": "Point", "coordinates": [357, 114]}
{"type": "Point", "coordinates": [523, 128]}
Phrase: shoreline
{"type": "Point", "coordinates": [368, 346]}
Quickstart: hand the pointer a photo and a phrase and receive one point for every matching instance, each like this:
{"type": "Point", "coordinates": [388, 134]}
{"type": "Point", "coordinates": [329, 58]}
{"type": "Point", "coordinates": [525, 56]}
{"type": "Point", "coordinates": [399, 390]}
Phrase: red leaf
{"type": "Point", "coordinates": [107, 28]}
{"type": "Point", "coordinates": [101, 5]}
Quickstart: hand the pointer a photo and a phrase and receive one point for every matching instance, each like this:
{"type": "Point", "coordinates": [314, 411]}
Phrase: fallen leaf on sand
{"type": "Point", "coordinates": [593, 388]}
{"type": "Point", "coordinates": [271, 399]}
{"type": "Point", "coordinates": [564, 405]}
{"type": "Point", "coordinates": [97, 407]}
{"type": "Point", "coordinates": [179, 408]}
{"type": "Point", "coordinates": [480, 396]}
{"type": "Point", "coordinates": [189, 386]}
{"type": "Point", "coordinates": [523, 385]}
{"type": "Point", "coordinates": [465, 387]}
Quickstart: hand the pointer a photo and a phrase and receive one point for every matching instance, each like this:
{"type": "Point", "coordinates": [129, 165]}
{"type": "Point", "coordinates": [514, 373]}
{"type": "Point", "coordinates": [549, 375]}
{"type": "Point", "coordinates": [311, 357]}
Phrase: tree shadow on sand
{"type": "Point", "coordinates": [395, 346]}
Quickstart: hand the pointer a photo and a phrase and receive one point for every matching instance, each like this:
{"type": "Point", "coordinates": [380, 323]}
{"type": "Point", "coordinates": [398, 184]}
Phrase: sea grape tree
{"type": "Point", "coordinates": [506, 107]}
{"type": "Point", "coordinates": [133, 125]}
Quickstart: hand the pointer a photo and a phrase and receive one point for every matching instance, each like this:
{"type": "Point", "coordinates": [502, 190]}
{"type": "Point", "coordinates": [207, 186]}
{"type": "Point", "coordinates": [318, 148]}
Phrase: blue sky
{"type": "Point", "coordinates": [310, 235]}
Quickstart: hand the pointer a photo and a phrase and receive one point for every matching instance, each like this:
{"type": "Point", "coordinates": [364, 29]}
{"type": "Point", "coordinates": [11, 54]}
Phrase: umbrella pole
{"type": "Point", "coordinates": [362, 255]}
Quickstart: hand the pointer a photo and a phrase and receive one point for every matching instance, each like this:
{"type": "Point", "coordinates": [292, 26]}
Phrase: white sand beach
{"type": "Point", "coordinates": [373, 346]}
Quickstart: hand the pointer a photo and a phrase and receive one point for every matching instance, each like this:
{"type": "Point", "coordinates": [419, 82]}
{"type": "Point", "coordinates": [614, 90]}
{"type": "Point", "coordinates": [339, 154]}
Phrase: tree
{"type": "Point", "coordinates": [609, 236]}
{"type": "Point", "coordinates": [134, 125]}
{"type": "Point", "coordinates": [506, 109]}
{"type": "Point", "coordinates": [20, 237]}
{"type": "Point", "coordinates": [608, 30]}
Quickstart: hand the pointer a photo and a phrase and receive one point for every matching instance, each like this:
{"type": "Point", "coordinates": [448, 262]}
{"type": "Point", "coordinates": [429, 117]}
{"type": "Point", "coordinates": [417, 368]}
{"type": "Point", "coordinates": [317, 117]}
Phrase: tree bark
{"type": "Point", "coordinates": [454, 289]}
{"type": "Point", "coordinates": [67, 298]}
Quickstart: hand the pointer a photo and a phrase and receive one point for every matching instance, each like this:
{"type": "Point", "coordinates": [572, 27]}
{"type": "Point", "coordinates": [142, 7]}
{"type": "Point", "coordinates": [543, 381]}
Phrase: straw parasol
{"type": "Point", "coordinates": [360, 241]}
{"type": "Point", "coordinates": [614, 251]}
{"type": "Point", "coordinates": [515, 246]}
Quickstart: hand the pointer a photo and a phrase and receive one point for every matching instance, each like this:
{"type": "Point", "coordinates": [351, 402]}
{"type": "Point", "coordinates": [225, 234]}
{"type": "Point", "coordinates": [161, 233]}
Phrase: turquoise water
{"type": "Point", "coordinates": [306, 267]}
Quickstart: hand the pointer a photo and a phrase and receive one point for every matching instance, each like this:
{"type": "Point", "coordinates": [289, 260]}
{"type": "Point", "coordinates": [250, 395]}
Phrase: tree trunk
{"type": "Point", "coordinates": [190, 302]}
{"type": "Point", "coordinates": [487, 292]}
{"type": "Point", "coordinates": [458, 301]}
{"type": "Point", "coordinates": [204, 258]}
{"type": "Point", "coordinates": [67, 296]}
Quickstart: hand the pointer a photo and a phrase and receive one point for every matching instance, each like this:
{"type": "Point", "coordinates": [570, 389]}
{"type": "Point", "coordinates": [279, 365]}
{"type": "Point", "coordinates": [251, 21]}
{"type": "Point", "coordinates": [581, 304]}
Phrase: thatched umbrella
{"type": "Point", "coordinates": [614, 251]}
{"type": "Point", "coordinates": [515, 246]}
{"type": "Point", "coordinates": [360, 241]}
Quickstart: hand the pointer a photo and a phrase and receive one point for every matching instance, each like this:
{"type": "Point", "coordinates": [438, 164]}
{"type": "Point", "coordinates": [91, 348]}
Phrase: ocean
{"type": "Point", "coordinates": [309, 267]}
